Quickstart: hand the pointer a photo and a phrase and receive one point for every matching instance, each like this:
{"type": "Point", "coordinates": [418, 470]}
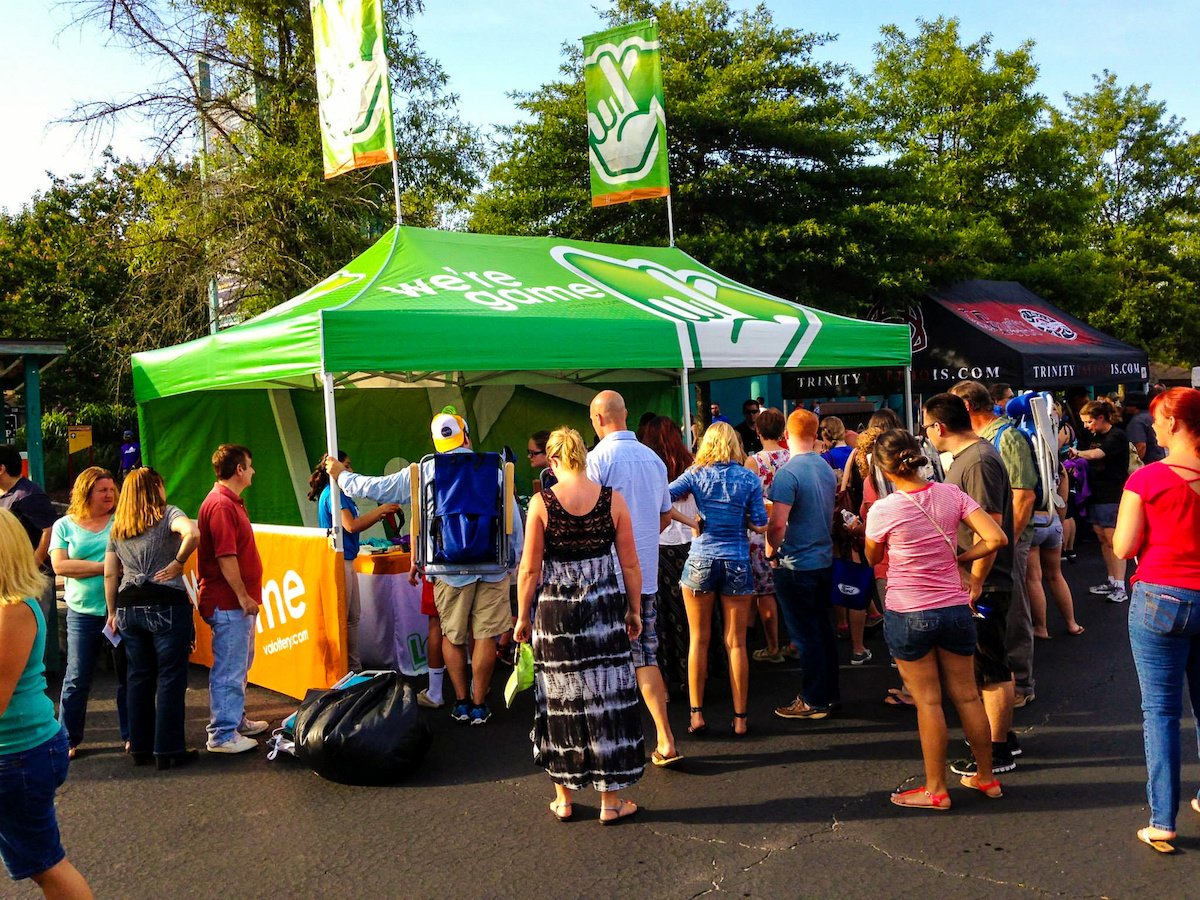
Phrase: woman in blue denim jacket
{"type": "Point", "coordinates": [730, 499]}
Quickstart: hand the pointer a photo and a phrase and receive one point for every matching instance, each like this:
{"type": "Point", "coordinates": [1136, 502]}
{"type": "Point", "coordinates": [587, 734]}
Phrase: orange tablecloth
{"type": "Point", "coordinates": [394, 562]}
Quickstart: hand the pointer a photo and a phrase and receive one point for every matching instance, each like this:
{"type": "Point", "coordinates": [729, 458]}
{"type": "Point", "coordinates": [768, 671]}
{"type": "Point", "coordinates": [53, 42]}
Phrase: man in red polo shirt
{"type": "Point", "coordinates": [230, 594]}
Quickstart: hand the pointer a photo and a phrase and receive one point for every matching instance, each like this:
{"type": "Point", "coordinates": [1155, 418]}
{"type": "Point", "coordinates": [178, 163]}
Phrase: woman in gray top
{"type": "Point", "coordinates": [147, 603]}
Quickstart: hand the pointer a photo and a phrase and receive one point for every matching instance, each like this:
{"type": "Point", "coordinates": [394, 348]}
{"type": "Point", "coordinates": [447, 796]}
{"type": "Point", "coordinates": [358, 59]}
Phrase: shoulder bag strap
{"type": "Point", "coordinates": [932, 521]}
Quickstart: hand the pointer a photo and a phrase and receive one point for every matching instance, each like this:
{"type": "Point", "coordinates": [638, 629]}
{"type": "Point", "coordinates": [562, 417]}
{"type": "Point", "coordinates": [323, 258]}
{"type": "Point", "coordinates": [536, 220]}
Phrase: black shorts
{"type": "Point", "coordinates": [991, 654]}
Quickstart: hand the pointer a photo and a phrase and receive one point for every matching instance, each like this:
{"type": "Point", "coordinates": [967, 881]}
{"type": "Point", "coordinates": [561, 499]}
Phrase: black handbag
{"type": "Point", "coordinates": [371, 733]}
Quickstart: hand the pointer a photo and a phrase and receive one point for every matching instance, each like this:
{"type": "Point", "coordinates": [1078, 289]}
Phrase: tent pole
{"type": "Point", "coordinates": [909, 422]}
{"type": "Point", "coordinates": [396, 190]}
{"type": "Point", "coordinates": [686, 390]}
{"type": "Point", "coordinates": [331, 447]}
{"type": "Point", "coordinates": [670, 223]}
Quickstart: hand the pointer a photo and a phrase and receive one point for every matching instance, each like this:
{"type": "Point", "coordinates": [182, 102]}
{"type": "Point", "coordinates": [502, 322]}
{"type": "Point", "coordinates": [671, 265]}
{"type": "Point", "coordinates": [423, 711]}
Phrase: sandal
{"type": "Point", "coordinates": [562, 810]}
{"type": "Point", "coordinates": [897, 697]}
{"type": "Point", "coordinates": [990, 788]}
{"type": "Point", "coordinates": [1077, 632]}
{"type": "Point", "coordinates": [765, 655]}
{"type": "Point", "coordinates": [703, 726]}
{"type": "Point", "coordinates": [733, 725]}
{"type": "Point", "coordinates": [664, 761]}
{"type": "Point", "coordinates": [623, 810]}
{"type": "Point", "coordinates": [1162, 845]}
{"type": "Point", "coordinates": [919, 798]}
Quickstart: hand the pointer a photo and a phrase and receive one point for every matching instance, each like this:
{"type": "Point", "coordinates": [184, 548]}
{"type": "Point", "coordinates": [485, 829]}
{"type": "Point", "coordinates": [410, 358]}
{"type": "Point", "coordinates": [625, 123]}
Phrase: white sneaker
{"type": "Point", "coordinates": [239, 744]}
{"type": "Point", "coordinates": [423, 699]}
{"type": "Point", "coordinates": [1117, 595]}
{"type": "Point", "coordinates": [1103, 589]}
{"type": "Point", "coordinates": [251, 727]}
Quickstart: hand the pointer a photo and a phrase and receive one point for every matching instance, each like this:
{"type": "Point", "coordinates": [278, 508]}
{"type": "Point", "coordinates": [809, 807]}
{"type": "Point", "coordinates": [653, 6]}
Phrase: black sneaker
{"type": "Point", "coordinates": [1002, 761]}
{"type": "Point", "coordinates": [1014, 746]}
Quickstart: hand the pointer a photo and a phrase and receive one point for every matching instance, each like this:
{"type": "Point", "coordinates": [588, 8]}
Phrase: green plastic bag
{"type": "Point", "coordinates": [522, 675]}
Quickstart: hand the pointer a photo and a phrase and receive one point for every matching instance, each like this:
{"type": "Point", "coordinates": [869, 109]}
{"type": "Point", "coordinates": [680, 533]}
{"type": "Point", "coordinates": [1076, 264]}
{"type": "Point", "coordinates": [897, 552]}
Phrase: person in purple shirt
{"type": "Point", "coordinates": [131, 454]}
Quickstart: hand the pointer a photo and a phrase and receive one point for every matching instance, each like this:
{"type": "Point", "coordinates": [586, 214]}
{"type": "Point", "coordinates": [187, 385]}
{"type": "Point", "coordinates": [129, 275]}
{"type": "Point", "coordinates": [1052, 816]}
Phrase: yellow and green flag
{"type": "Point", "coordinates": [627, 126]}
{"type": "Point", "coordinates": [352, 84]}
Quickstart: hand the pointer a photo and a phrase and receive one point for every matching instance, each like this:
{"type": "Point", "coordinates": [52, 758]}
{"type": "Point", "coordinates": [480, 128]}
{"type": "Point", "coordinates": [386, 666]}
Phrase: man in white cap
{"type": "Point", "coordinates": [468, 605]}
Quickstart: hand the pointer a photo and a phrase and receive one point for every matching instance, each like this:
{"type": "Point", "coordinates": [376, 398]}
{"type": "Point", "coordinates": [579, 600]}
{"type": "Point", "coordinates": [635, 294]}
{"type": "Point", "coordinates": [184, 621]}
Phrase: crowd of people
{"type": "Point", "coordinates": [631, 554]}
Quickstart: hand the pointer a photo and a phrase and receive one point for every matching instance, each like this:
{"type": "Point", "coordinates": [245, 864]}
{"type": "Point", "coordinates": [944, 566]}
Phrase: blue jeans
{"type": "Point", "coordinates": [157, 642]}
{"type": "Point", "coordinates": [85, 643]}
{"type": "Point", "coordinates": [29, 839]}
{"type": "Point", "coordinates": [233, 654]}
{"type": "Point", "coordinates": [1164, 632]}
{"type": "Point", "coordinates": [803, 599]}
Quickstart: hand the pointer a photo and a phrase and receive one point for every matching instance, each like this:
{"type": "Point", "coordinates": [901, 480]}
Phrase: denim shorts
{"type": "Point", "coordinates": [727, 577]}
{"type": "Point", "coordinates": [29, 840]}
{"type": "Point", "coordinates": [913, 635]}
{"type": "Point", "coordinates": [1048, 536]}
{"type": "Point", "coordinates": [645, 648]}
{"type": "Point", "coordinates": [1103, 515]}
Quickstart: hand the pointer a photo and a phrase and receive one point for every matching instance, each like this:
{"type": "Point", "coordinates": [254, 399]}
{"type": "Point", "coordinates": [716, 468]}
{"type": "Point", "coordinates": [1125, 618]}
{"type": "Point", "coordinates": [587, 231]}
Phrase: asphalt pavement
{"type": "Point", "coordinates": [798, 809]}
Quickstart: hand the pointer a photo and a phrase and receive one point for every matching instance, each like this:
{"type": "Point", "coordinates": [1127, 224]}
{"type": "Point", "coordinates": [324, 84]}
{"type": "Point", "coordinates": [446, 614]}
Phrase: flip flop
{"type": "Point", "coordinates": [913, 800]}
{"type": "Point", "coordinates": [664, 761]}
{"type": "Point", "coordinates": [1076, 633]}
{"type": "Point", "coordinates": [1162, 846]}
{"type": "Point", "coordinates": [624, 810]}
{"type": "Point", "coordinates": [895, 697]}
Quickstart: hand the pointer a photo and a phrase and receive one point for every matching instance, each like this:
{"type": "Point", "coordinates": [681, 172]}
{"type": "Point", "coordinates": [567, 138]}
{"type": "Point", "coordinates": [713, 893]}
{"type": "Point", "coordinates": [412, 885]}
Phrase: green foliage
{"type": "Point", "coordinates": [764, 163]}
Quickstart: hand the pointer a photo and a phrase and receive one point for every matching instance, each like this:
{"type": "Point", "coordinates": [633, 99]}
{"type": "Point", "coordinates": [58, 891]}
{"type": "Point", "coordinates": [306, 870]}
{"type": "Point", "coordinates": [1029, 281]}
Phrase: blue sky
{"type": "Point", "coordinates": [490, 47]}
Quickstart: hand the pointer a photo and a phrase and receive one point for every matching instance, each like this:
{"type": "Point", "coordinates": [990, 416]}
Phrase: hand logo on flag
{"type": "Point", "coordinates": [622, 127]}
{"type": "Point", "coordinates": [713, 315]}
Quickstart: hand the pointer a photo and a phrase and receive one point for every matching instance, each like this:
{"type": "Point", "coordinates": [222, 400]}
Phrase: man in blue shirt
{"type": "Point", "coordinates": [800, 550]}
{"type": "Point", "coordinates": [468, 605]}
{"type": "Point", "coordinates": [625, 464]}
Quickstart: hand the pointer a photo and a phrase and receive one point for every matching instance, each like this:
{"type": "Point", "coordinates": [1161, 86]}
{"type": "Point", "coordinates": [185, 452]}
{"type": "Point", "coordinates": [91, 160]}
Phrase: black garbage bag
{"type": "Point", "coordinates": [370, 733]}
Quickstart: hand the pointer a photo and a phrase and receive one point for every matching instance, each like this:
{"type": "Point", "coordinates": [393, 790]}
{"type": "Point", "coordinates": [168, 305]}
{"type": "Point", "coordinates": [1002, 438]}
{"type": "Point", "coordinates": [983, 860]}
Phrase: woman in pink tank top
{"type": "Point", "coordinates": [1159, 524]}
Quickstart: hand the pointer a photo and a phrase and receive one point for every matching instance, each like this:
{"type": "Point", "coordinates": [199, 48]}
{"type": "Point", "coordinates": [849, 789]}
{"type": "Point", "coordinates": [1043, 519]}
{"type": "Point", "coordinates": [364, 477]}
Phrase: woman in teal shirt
{"type": "Point", "coordinates": [77, 546]}
{"type": "Point", "coordinates": [33, 746]}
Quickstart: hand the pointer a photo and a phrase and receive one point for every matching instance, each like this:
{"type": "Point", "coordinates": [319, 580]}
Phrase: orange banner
{"type": "Point", "coordinates": [301, 639]}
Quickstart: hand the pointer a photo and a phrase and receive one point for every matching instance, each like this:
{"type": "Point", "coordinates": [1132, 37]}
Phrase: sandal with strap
{"type": "Point", "coordinates": [703, 726]}
{"type": "Point", "coordinates": [623, 810]}
{"type": "Point", "coordinates": [919, 798]}
{"type": "Point", "coordinates": [562, 810]}
{"type": "Point", "coordinates": [733, 725]}
{"type": "Point", "coordinates": [1161, 844]}
{"type": "Point", "coordinates": [989, 788]}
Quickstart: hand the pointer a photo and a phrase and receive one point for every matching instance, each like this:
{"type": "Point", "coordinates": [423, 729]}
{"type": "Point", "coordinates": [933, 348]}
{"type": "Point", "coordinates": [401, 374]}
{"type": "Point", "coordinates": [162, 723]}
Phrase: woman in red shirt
{"type": "Point", "coordinates": [1159, 523]}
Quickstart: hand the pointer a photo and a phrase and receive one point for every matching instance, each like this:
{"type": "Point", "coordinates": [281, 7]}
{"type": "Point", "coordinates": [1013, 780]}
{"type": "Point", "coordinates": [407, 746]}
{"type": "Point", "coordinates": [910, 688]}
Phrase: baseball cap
{"type": "Point", "coordinates": [448, 429]}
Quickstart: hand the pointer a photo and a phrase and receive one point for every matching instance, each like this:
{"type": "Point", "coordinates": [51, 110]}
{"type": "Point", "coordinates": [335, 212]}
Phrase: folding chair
{"type": "Point", "coordinates": [462, 513]}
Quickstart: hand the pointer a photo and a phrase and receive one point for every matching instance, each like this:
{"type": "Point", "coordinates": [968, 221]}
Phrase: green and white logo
{"type": "Point", "coordinates": [352, 84]}
{"type": "Point", "coordinates": [713, 315]}
{"type": "Point", "coordinates": [627, 126]}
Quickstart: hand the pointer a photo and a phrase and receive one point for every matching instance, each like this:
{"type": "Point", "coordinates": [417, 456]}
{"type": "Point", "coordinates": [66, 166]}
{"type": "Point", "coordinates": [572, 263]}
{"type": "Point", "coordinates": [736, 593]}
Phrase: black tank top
{"type": "Point", "coordinates": [571, 537]}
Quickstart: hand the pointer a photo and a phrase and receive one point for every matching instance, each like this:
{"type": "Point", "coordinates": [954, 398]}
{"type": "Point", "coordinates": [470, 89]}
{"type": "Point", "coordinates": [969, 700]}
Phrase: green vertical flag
{"type": "Point", "coordinates": [352, 84]}
{"type": "Point", "coordinates": [627, 127]}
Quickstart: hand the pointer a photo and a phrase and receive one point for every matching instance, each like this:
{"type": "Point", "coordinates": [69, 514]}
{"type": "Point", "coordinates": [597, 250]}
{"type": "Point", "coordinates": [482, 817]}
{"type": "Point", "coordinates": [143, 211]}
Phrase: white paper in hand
{"type": "Point", "coordinates": [114, 637]}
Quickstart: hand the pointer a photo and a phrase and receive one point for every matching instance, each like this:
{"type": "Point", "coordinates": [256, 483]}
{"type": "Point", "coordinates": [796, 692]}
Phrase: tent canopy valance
{"type": "Point", "coordinates": [429, 308]}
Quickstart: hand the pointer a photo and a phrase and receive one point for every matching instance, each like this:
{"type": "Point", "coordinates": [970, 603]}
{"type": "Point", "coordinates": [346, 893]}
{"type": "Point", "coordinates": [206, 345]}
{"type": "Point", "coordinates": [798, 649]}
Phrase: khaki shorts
{"type": "Point", "coordinates": [480, 609]}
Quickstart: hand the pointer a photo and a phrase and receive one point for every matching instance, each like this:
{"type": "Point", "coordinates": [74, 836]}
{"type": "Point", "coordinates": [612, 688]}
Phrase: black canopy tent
{"type": "Point", "coordinates": [990, 331]}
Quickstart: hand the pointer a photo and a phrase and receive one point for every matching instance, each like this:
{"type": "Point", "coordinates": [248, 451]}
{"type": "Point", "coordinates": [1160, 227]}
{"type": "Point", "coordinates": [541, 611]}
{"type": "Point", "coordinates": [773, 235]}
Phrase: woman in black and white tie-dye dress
{"type": "Point", "coordinates": [587, 728]}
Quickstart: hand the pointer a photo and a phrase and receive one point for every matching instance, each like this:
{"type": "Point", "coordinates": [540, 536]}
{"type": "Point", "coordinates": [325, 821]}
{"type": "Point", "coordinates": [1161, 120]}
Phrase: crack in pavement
{"type": "Point", "coordinates": [964, 876]}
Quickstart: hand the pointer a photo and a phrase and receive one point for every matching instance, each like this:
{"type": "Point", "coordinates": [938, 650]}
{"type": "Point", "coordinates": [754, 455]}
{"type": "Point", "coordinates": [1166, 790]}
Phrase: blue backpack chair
{"type": "Point", "coordinates": [462, 513]}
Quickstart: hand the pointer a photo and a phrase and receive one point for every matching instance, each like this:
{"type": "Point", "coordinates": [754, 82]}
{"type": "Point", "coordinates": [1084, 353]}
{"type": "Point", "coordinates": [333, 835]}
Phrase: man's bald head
{"type": "Point", "coordinates": [608, 413]}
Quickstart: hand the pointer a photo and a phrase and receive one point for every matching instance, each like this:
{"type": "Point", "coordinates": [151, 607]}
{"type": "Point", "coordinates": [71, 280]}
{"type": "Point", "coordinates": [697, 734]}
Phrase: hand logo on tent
{"type": "Point", "coordinates": [713, 315]}
{"type": "Point", "coordinates": [1047, 324]}
{"type": "Point", "coordinates": [334, 282]}
{"type": "Point", "coordinates": [623, 124]}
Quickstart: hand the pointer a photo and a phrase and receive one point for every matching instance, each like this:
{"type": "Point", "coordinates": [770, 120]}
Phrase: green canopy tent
{"type": "Point", "coordinates": [538, 323]}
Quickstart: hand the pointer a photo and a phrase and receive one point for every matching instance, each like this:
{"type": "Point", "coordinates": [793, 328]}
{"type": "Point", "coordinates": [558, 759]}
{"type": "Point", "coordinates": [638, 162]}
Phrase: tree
{"type": "Point", "coordinates": [766, 169]}
{"type": "Point", "coordinates": [253, 208]}
{"type": "Point", "coordinates": [985, 175]}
